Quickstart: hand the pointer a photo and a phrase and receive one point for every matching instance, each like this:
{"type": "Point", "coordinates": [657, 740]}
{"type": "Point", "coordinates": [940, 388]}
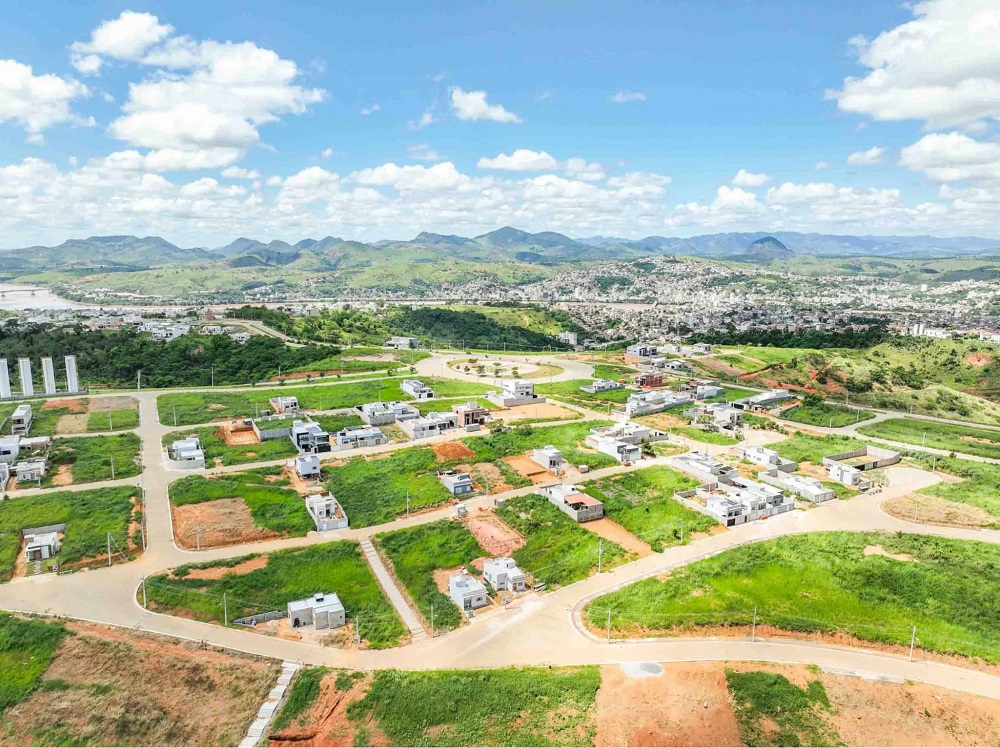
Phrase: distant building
{"type": "Point", "coordinates": [285, 404]}
{"type": "Point", "coordinates": [765, 458]}
{"type": "Point", "coordinates": [801, 485]}
{"type": "Point", "coordinates": [653, 401]}
{"type": "Point", "coordinates": [401, 342]}
{"type": "Point", "coordinates": [382, 414]}
{"type": "Point", "coordinates": [470, 414]}
{"type": "Point", "coordinates": [20, 420]}
{"type": "Point", "coordinates": [763, 400]}
{"type": "Point", "coordinates": [324, 611]}
{"type": "Point", "coordinates": [503, 575]}
{"type": "Point", "coordinates": [567, 337]}
{"type": "Point", "coordinates": [641, 350]}
{"type": "Point", "coordinates": [467, 592]}
{"type": "Point", "coordinates": [430, 425]}
{"type": "Point", "coordinates": [417, 389]}
{"type": "Point", "coordinates": [10, 448]}
{"type": "Point", "coordinates": [359, 436]}
{"type": "Point", "coordinates": [514, 392]}
{"type": "Point", "coordinates": [702, 466]}
{"type": "Point", "coordinates": [602, 385]}
{"type": "Point", "coordinates": [570, 500]}
{"type": "Point", "coordinates": [307, 466]}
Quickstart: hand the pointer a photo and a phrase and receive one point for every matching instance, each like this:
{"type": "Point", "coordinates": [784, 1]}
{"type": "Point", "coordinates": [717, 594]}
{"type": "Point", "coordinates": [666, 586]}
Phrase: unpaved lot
{"type": "Point", "coordinates": [529, 469]}
{"type": "Point", "coordinates": [545, 410]}
{"type": "Point", "coordinates": [119, 402]}
{"type": "Point", "coordinates": [611, 530]}
{"type": "Point", "coordinates": [114, 687]}
{"type": "Point", "coordinates": [451, 451]}
{"type": "Point", "coordinates": [218, 523]}
{"type": "Point", "coordinates": [487, 477]}
{"type": "Point", "coordinates": [494, 535]}
{"type": "Point", "coordinates": [236, 434]}
{"type": "Point", "coordinates": [75, 423]}
{"type": "Point", "coordinates": [72, 404]}
{"type": "Point", "coordinates": [937, 511]}
{"type": "Point", "coordinates": [327, 723]}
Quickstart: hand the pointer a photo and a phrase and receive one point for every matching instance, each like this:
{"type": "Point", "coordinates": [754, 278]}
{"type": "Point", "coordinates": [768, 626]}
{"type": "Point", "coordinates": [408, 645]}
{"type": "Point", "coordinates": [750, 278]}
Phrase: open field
{"type": "Point", "coordinates": [202, 407]}
{"type": "Point", "coordinates": [89, 517]}
{"type": "Point", "coordinates": [977, 491]}
{"type": "Point", "coordinates": [973, 441]}
{"type": "Point", "coordinates": [642, 503]}
{"type": "Point", "coordinates": [417, 553]}
{"type": "Point", "coordinates": [88, 459]}
{"type": "Point", "coordinates": [570, 392]}
{"type": "Point", "coordinates": [218, 453]}
{"type": "Point", "coordinates": [519, 439]}
{"type": "Point", "coordinates": [937, 401]}
{"type": "Point", "coordinates": [557, 550]}
{"type": "Point", "coordinates": [808, 448]}
{"type": "Point", "coordinates": [870, 586]}
{"type": "Point", "coordinates": [273, 506]}
{"type": "Point", "coordinates": [113, 420]}
{"type": "Point", "coordinates": [703, 436]}
{"type": "Point", "coordinates": [190, 591]}
{"type": "Point", "coordinates": [338, 422]}
{"type": "Point", "coordinates": [614, 371]}
{"type": "Point", "coordinates": [88, 685]}
{"type": "Point", "coordinates": [826, 414]}
{"type": "Point", "coordinates": [730, 393]}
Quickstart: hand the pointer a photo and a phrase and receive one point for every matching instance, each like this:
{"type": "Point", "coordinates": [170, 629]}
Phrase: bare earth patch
{"type": "Point", "coordinates": [63, 476]}
{"type": "Point", "coordinates": [236, 434]}
{"type": "Point", "coordinates": [493, 534]}
{"type": "Point", "coordinates": [978, 359]}
{"type": "Point", "coordinates": [218, 572]}
{"type": "Point", "coordinates": [452, 451]}
{"type": "Point", "coordinates": [877, 550]}
{"type": "Point", "coordinates": [327, 723]}
{"type": "Point", "coordinates": [662, 421]}
{"type": "Point", "coordinates": [529, 469]}
{"type": "Point", "coordinates": [544, 410]}
{"type": "Point", "coordinates": [937, 511]}
{"type": "Point", "coordinates": [487, 477]}
{"type": "Point", "coordinates": [218, 523]}
{"type": "Point", "coordinates": [611, 530]}
{"type": "Point", "coordinates": [119, 402]}
{"type": "Point", "coordinates": [72, 404]}
{"type": "Point", "coordinates": [72, 424]}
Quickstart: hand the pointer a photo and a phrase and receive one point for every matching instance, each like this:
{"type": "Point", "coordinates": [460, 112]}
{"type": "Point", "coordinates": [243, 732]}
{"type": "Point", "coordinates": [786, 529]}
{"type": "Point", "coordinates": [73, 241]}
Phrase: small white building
{"type": "Point", "coordinates": [457, 483]}
{"type": "Point", "coordinates": [631, 432]}
{"type": "Point", "coordinates": [240, 337]}
{"type": "Point", "coordinates": [848, 475]}
{"type": "Point", "coordinates": [622, 451]}
{"type": "Point", "coordinates": [285, 404]}
{"type": "Point", "coordinates": [802, 485]}
{"type": "Point", "coordinates": [764, 400]}
{"type": "Point", "coordinates": [514, 392]}
{"type": "Point", "coordinates": [4, 475]}
{"type": "Point", "coordinates": [382, 414]}
{"type": "Point", "coordinates": [654, 401]}
{"type": "Point", "coordinates": [467, 592]}
{"type": "Point", "coordinates": [10, 448]}
{"type": "Point", "coordinates": [641, 350]}
{"type": "Point", "coordinates": [430, 425]}
{"type": "Point", "coordinates": [401, 342]}
{"type": "Point", "coordinates": [326, 512]}
{"type": "Point", "coordinates": [417, 389]}
{"type": "Point", "coordinates": [307, 466]}
{"type": "Point", "coordinates": [186, 454]}
{"type": "Point", "coordinates": [765, 458]}
{"type": "Point", "coordinates": [503, 575]}
{"type": "Point", "coordinates": [358, 436]}
{"type": "Point", "coordinates": [602, 385]}
{"type": "Point", "coordinates": [702, 466]}
{"type": "Point", "coordinates": [40, 546]}
{"type": "Point", "coordinates": [570, 500]}
{"type": "Point", "coordinates": [324, 611]}
{"type": "Point", "coordinates": [548, 457]}
{"type": "Point", "coordinates": [705, 391]}
{"type": "Point", "coordinates": [310, 437]}
{"type": "Point", "coordinates": [20, 420]}
{"type": "Point", "coordinates": [32, 470]}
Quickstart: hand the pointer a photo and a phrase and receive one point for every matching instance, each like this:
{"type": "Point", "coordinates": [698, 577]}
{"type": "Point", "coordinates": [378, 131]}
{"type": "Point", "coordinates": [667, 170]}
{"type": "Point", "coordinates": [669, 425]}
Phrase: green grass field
{"type": "Point", "coordinates": [240, 454]}
{"type": "Point", "coordinates": [614, 371]}
{"type": "Point", "coordinates": [26, 648]}
{"type": "Point", "coordinates": [202, 407]}
{"type": "Point", "coordinates": [980, 485]}
{"type": "Point", "coordinates": [826, 414]}
{"type": "Point", "coordinates": [89, 458]}
{"type": "Point", "coordinates": [963, 439]}
{"type": "Point", "coordinates": [89, 517]}
{"type": "Point", "coordinates": [417, 552]}
{"type": "Point", "coordinates": [272, 505]}
{"type": "Point", "coordinates": [302, 695]}
{"type": "Point", "coordinates": [338, 422]}
{"type": "Point", "coordinates": [730, 393]}
{"type": "Point", "coordinates": [825, 582]}
{"type": "Point", "coordinates": [289, 575]}
{"type": "Point", "coordinates": [567, 437]}
{"type": "Point", "coordinates": [557, 551]}
{"type": "Point", "coordinates": [113, 420]}
{"type": "Point", "coordinates": [808, 448]}
{"type": "Point", "coordinates": [438, 406]}
{"type": "Point", "coordinates": [511, 707]}
{"type": "Point", "coordinates": [771, 710]}
{"type": "Point", "coordinates": [703, 436]}
{"type": "Point", "coordinates": [642, 503]}
{"type": "Point", "coordinates": [570, 392]}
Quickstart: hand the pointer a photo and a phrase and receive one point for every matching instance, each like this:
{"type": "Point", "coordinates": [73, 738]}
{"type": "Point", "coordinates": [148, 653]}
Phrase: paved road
{"type": "Point", "coordinates": [539, 629]}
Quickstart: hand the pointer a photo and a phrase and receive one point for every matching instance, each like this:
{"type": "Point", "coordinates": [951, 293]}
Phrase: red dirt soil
{"type": "Point", "coordinates": [327, 723]}
{"type": "Point", "coordinates": [529, 469]}
{"type": "Point", "coordinates": [236, 434]}
{"type": "Point", "coordinates": [218, 572]}
{"type": "Point", "coordinates": [222, 522]}
{"type": "Point", "coordinates": [611, 530]}
{"type": "Point", "coordinates": [452, 451]}
{"type": "Point", "coordinates": [72, 404]}
{"type": "Point", "coordinates": [494, 535]}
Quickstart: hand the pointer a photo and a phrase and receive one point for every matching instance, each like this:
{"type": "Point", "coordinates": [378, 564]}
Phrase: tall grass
{"type": "Point", "coordinates": [271, 506]}
{"type": "Point", "coordinates": [971, 441]}
{"type": "Point", "coordinates": [26, 649]}
{"type": "Point", "coordinates": [91, 457]}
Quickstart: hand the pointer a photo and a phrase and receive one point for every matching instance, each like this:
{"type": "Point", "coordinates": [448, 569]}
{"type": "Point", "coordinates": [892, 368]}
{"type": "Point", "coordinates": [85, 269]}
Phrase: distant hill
{"type": "Point", "coordinates": [101, 252]}
{"type": "Point", "coordinates": [765, 249]}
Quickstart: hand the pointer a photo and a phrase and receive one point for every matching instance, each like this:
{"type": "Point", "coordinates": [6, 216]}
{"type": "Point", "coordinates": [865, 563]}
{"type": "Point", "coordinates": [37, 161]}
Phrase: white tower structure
{"type": "Point", "coordinates": [27, 386]}
{"type": "Point", "coordinates": [72, 381]}
{"type": "Point", "coordinates": [48, 376]}
{"type": "Point", "coordinates": [4, 379]}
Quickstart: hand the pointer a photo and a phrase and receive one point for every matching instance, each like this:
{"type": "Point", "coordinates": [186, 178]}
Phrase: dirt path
{"type": "Point", "coordinates": [611, 530]}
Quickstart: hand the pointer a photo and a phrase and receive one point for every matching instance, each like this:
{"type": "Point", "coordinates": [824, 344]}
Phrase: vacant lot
{"type": "Point", "coordinates": [808, 448]}
{"type": "Point", "coordinates": [703, 436]}
{"type": "Point", "coordinates": [202, 407]}
{"type": "Point", "coordinates": [89, 517]}
{"type": "Point", "coordinates": [970, 441]}
{"type": "Point", "coordinates": [568, 438]}
{"type": "Point", "coordinates": [557, 550]}
{"type": "Point", "coordinates": [89, 459]}
{"type": "Point", "coordinates": [288, 575]}
{"type": "Point", "coordinates": [417, 553]}
{"type": "Point", "coordinates": [273, 507]}
{"type": "Point", "coordinates": [218, 453]}
{"type": "Point", "coordinates": [642, 503]}
{"type": "Point", "coordinates": [979, 489]}
{"type": "Point", "coordinates": [80, 684]}
{"type": "Point", "coordinates": [828, 583]}
{"type": "Point", "coordinates": [826, 414]}
{"type": "Point", "coordinates": [338, 422]}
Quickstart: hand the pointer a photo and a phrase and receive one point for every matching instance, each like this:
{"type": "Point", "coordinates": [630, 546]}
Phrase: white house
{"type": "Point", "coordinates": [514, 392]}
{"type": "Point", "coordinates": [401, 342]}
{"type": "Point", "coordinates": [570, 500]}
{"type": "Point", "coordinates": [765, 458]}
{"type": "Point", "coordinates": [655, 401]}
{"type": "Point", "coordinates": [802, 485]}
{"type": "Point", "coordinates": [10, 448]}
{"type": "Point", "coordinates": [307, 466]}
{"type": "Point", "coordinates": [285, 404]}
{"type": "Point", "coordinates": [430, 425]}
{"type": "Point", "coordinates": [358, 436]}
{"type": "Point", "coordinates": [186, 454]}
{"type": "Point", "coordinates": [240, 337]}
{"type": "Point", "coordinates": [631, 432]}
{"type": "Point", "coordinates": [763, 400]}
{"type": "Point", "coordinates": [707, 390]}
{"type": "Point", "coordinates": [702, 466]}
{"type": "Point", "coordinates": [502, 574]}
{"type": "Point", "coordinates": [602, 385]}
{"type": "Point", "coordinates": [548, 457]}
{"type": "Point", "coordinates": [310, 437]}
{"type": "Point", "coordinates": [467, 592]}
{"type": "Point", "coordinates": [20, 420]}
{"type": "Point", "coordinates": [622, 451]}
{"type": "Point", "coordinates": [641, 350]}
{"type": "Point", "coordinates": [324, 611]}
{"type": "Point", "coordinates": [417, 389]}
{"type": "Point", "coordinates": [4, 475]}
{"type": "Point", "coordinates": [30, 470]}
{"type": "Point", "coordinates": [458, 484]}
{"type": "Point", "coordinates": [382, 414]}
{"type": "Point", "coordinates": [40, 546]}
{"type": "Point", "coordinates": [326, 512]}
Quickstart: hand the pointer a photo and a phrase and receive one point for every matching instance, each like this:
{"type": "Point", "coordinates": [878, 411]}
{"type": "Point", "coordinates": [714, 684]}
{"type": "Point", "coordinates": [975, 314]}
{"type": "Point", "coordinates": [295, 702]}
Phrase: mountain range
{"type": "Point", "coordinates": [126, 253]}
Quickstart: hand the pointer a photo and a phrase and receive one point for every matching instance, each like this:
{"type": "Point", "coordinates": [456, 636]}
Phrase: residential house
{"type": "Point", "coordinates": [570, 500]}
{"type": "Point", "coordinates": [4, 475]}
{"type": "Point", "coordinates": [719, 417]}
{"type": "Point", "coordinates": [763, 400]}
{"type": "Point", "coordinates": [382, 414]}
{"type": "Point", "coordinates": [40, 546]}
{"type": "Point", "coordinates": [30, 471]}
{"type": "Point", "coordinates": [322, 610]}
{"type": "Point", "coordinates": [467, 592]}
{"type": "Point", "coordinates": [567, 337]}
{"type": "Point", "coordinates": [430, 425]}
{"type": "Point", "coordinates": [359, 436]}
{"type": "Point", "coordinates": [702, 466]}
{"type": "Point", "coordinates": [602, 385]}
{"type": "Point", "coordinates": [641, 350]}
{"type": "Point", "coordinates": [186, 454]}
{"type": "Point", "coordinates": [240, 337]}
{"type": "Point", "coordinates": [417, 389]}
{"type": "Point", "coordinates": [548, 457]}
{"type": "Point", "coordinates": [326, 512]}
{"type": "Point", "coordinates": [10, 448]}
{"type": "Point", "coordinates": [285, 404]}
{"type": "Point", "coordinates": [503, 575]}
{"type": "Point", "coordinates": [624, 452]}
{"type": "Point", "coordinates": [307, 466]}
{"type": "Point", "coordinates": [632, 433]}
{"type": "Point", "coordinates": [470, 414]}
{"type": "Point", "coordinates": [310, 437]}
{"type": "Point", "coordinates": [514, 392]}
{"type": "Point", "coordinates": [401, 342]}
{"type": "Point", "coordinates": [765, 458]}
{"type": "Point", "coordinates": [654, 401]}
{"type": "Point", "coordinates": [20, 420]}
{"type": "Point", "coordinates": [861, 460]}
{"type": "Point", "coordinates": [458, 484]}
{"type": "Point", "coordinates": [676, 364]}
{"type": "Point", "coordinates": [802, 485]}
{"type": "Point", "coordinates": [650, 379]}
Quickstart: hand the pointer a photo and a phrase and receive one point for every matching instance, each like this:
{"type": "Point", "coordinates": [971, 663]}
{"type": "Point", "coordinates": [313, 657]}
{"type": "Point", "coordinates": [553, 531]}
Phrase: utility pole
{"type": "Point", "coordinates": [609, 627]}
{"type": "Point", "coordinates": [213, 374]}
{"type": "Point", "coordinates": [407, 504]}
{"type": "Point", "coordinates": [600, 554]}
{"type": "Point", "coordinates": [109, 549]}
{"type": "Point", "coordinates": [225, 610]}
{"type": "Point", "coordinates": [112, 468]}
{"type": "Point", "coordinates": [197, 534]}
{"type": "Point", "coordinates": [432, 620]}
{"type": "Point", "coordinates": [913, 641]}
{"type": "Point", "coordinates": [682, 531]}
{"type": "Point", "coordinates": [357, 631]}
{"type": "Point", "coordinates": [175, 415]}
{"type": "Point", "coordinates": [753, 631]}
{"type": "Point", "coordinates": [111, 426]}
{"type": "Point", "coordinates": [138, 380]}
{"type": "Point", "coordinates": [144, 592]}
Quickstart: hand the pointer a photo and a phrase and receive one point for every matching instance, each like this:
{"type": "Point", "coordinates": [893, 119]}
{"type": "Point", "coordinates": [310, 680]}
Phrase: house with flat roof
{"type": "Point", "coordinates": [186, 454]}
{"type": "Point", "coordinates": [310, 437]}
{"type": "Point", "coordinates": [285, 404]}
{"type": "Point", "coordinates": [322, 610]}
{"type": "Point", "coordinates": [417, 389]}
{"type": "Point", "coordinates": [848, 467]}
{"type": "Point", "coordinates": [401, 343]}
{"type": "Point", "coordinates": [356, 437]}
{"type": "Point", "coordinates": [650, 379]}
{"type": "Point", "coordinates": [307, 466]}
{"type": "Point", "coordinates": [765, 458]}
{"type": "Point", "coordinates": [467, 592]}
{"type": "Point", "coordinates": [654, 401]}
{"type": "Point", "coordinates": [763, 400]}
{"type": "Point", "coordinates": [641, 350]}
{"type": "Point", "coordinates": [457, 483]}
{"type": "Point", "coordinates": [433, 424]}
{"type": "Point", "coordinates": [31, 470]}
{"type": "Point", "coordinates": [382, 414]}
{"type": "Point", "coordinates": [10, 448]}
{"type": "Point", "coordinates": [719, 417]}
{"type": "Point", "coordinates": [41, 545]}
{"type": "Point", "coordinates": [326, 511]}
{"type": "Point", "coordinates": [702, 466]}
{"type": "Point", "coordinates": [805, 486]}
{"type": "Point", "coordinates": [602, 385]}
{"type": "Point", "coordinates": [548, 457]}
{"type": "Point", "coordinates": [569, 499]}
{"type": "Point", "coordinates": [470, 414]}
{"type": "Point", "coordinates": [20, 420]}
{"type": "Point", "coordinates": [503, 575]}
{"type": "Point", "coordinates": [631, 432]}
{"type": "Point", "coordinates": [624, 452]}
{"type": "Point", "coordinates": [514, 392]}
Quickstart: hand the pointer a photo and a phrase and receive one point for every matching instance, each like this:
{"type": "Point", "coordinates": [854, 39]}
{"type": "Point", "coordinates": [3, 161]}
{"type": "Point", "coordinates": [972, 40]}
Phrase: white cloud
{"type": "Point", "coordinates": [370, 109]}
{"type": "Point", "coordinates": [206, 101]}
{"type": "Point", "coordinates": [580, 168]}
{"type": "Point", "coordinates": [870, 157]}
{"type": "Point", "coordinates": [425, 119]}
{"type": "Point", "coordinates": [438, 178]}
{"type": "Point", "coordinates": [822, 166]}
{"type": "Point", "coordinates": [423, 152]}
{"type": "Point", "coordinates": [639, 184]}
{"type": "Point", "coordinates": [37, 102]}
{"type": "Point", "coordinates": [624, 97]}
{"type": "Point", "coordinates": [123, 38]}
{"type": "Point", "coordinates": [745, 178]}
{"type": "Point", "coordinates": [472, 106]}
{"type": "Point", "coordinates": [953, 157]}
{"type": "Point", "coordinates": [942, 67]}
{"type": "Point", "coordinates": [326, 153]}
{"type": "Point", "coordinates": [521, 159]}
{"type": "Point", "coordinates": [238, 172]}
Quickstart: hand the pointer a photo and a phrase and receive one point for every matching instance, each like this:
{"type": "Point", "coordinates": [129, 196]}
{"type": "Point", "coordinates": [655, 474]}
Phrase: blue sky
{"type": "Point", "coordinates": [622, 118]}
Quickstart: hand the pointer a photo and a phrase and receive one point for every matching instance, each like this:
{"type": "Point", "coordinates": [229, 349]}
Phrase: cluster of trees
{"type": "Point", "coordinates": [468, 328]}
{"type": "Point", "coordinates": [116, 357]}
{"type": "Point", "coordinates": [865, 337]}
